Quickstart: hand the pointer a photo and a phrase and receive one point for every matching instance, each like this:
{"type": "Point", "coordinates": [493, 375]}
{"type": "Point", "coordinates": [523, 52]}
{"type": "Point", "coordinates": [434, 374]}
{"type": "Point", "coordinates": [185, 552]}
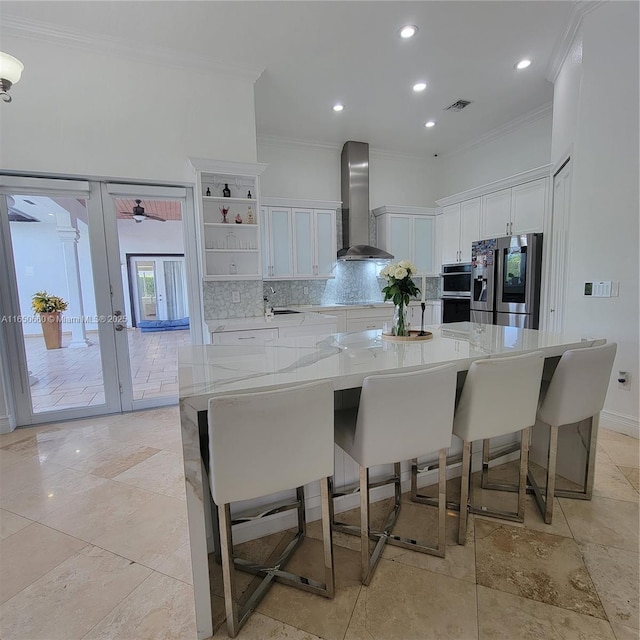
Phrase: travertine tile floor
{"type": "Point", "coordinates": [94, 545]}
{"type": "Point", "coordinates": [73, 377]}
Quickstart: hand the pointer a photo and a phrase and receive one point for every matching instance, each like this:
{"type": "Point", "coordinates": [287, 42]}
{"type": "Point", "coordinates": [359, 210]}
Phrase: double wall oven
{"type": "Point", "coordinates": [456, 292]}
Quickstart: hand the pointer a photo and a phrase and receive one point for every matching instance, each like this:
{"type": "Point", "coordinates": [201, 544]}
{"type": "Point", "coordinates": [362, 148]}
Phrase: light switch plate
{"type": "Point", "coordinates": [235, 296]}
{"type": "Point", "coordinates": [598, 289]}
{"type": "Point", "coordinates": [602, 289]}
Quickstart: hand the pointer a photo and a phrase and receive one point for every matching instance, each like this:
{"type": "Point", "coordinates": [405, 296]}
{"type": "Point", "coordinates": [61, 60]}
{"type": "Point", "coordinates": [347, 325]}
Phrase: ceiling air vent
{"type": "Point", "coordinates": [458, 105]}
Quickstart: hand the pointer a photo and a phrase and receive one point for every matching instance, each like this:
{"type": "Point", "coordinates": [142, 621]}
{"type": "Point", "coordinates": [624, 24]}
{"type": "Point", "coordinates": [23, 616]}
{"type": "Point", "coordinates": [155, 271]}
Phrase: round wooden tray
{"type": "Point", "coordinates": [412, 337]}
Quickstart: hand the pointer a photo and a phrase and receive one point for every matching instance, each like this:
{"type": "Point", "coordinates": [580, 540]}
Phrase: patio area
{"type": "Point", "coordinates": [73, 377]}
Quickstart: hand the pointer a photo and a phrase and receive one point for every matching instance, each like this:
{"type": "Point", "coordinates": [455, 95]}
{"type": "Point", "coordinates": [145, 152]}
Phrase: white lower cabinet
{"type": "Point", "coordinates": [431, 314]}
{"type": "Point", "coordinates": [248, 337]}
{"type": "Point", "coordinates": [367, 319]}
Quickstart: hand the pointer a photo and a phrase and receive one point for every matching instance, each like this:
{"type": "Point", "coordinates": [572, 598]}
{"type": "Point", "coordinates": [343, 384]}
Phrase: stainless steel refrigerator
{"type": "Point", "coordinates": [505, 284]}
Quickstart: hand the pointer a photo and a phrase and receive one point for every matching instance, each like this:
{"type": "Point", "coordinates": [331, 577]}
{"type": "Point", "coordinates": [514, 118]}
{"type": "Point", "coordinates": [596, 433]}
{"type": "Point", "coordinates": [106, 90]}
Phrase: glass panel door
{"type": "Point", "coordinates": [57, 335]}
{"type": "Point", "coordinates": [152, 286]}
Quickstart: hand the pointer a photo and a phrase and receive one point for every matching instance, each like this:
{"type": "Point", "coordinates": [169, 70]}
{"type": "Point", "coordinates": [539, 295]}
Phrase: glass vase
{"type": "Point", "coordinates": [400, 320]}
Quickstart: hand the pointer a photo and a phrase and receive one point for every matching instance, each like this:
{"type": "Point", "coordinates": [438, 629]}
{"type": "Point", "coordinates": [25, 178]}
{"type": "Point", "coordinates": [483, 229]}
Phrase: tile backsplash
{"type": "Point", "coordinates": [217, 299]}
{"type": "Point", "coordinates": [355, 283]}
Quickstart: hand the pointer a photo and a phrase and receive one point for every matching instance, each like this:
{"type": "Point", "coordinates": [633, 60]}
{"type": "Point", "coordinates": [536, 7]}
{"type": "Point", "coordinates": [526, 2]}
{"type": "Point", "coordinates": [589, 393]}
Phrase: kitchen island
{"type": "Point", "coordinates": [345, 359]}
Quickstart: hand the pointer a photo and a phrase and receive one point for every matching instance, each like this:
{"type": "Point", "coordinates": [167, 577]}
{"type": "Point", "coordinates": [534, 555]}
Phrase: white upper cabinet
{"type": "Point", "coordinates": [229, 224]}
{"type": "Point", "coordinates": [496, 214]}
{"type": "Point", "coordinates": [451, 234]}
{"type": "Point", "coordinates": [460, 227]}
{"type": "Point", "coordinates": [528, 204]}
{"type": "Point", "coordinates": [408, 234]}
{"type": "Point", "coordinates": [299, 242]}
{"type": "Point", "coordinates": [304, 261]}
{"type": "Point", "coordinates": [519, 209]}
{"type": "Point", "coordinates": [513, 205]}
{"type": "Point", "coordinates": [277, 238]}
{"type": "Point", "coordinates": [469, 227]}
{"type": "Point", "coordinates": [326, 248]}
{"type": "Point", "coordinates": [314, 243]}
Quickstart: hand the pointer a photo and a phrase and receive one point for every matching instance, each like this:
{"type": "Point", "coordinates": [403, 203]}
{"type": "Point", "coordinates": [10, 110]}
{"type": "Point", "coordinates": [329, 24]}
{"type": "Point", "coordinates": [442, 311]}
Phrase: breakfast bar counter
{"type": "Point", "coordinates": [345, 359]}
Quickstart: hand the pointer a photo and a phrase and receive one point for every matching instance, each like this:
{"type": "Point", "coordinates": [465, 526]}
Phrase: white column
{"type": "Point", "coordinates": [69, 238]}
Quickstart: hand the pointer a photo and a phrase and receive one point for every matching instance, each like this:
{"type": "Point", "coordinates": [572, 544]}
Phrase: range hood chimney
{"type": "Point", "coordinates": [355, 205]}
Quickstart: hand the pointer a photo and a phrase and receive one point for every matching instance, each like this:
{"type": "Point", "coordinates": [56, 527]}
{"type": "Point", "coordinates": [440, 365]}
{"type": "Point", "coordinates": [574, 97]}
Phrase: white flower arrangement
{"type": "Point", "coordinates": [400, 289]}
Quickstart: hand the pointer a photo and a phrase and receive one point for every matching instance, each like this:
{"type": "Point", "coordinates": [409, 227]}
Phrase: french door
{"type": "Point", "coordinates": [69, 238]}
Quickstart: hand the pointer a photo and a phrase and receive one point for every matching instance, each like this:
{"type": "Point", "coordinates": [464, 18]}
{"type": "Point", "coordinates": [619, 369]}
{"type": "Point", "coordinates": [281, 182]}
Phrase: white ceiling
{"type": "Point", "coordinates": [316, 53]}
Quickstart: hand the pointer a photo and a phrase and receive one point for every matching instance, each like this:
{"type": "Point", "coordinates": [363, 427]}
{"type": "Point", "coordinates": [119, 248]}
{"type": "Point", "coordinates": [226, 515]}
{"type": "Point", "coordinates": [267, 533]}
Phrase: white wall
{"type": "Point", "coordinates": [604, 200]}
{"type": "Point", "coordinates": [517, 150]}
{"type": "Point", "coordinates": [402, 180]}
{"type": "Point", "coordinates": [566, 99]}
{"type": "Point", "coordinates": [299, 170]}
{"type": "Point", "coordinates": [39, 263]}
{"type": "Point", "coordinates": [79, 112]}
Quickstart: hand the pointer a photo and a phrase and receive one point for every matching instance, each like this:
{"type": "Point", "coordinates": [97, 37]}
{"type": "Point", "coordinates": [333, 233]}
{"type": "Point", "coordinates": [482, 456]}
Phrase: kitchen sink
{"type": "Point", "coordinates": [281, 312]}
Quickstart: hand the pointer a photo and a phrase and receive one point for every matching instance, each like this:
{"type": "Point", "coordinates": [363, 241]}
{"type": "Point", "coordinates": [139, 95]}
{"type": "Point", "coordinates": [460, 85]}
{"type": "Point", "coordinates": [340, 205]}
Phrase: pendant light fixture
{"type": "Point", "coordinates": [10, 72]}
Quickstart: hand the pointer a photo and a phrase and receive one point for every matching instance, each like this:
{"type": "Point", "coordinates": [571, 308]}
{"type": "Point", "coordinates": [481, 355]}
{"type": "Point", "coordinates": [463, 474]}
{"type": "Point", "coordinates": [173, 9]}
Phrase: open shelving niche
{"type": "Point", "coordinates": [230, 251]}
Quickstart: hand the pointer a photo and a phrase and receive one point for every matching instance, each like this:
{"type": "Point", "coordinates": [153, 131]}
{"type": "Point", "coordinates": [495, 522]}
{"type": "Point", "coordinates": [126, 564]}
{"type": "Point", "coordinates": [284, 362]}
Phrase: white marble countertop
{"type": "Point", "coordinates": [260, 322]}
{"type": "Point", "coordinates": [347, 358]}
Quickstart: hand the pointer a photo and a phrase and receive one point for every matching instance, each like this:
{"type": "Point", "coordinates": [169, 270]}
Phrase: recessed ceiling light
{"type": "Point", "coordinates": [419, 86]}
{"type": "Point", "coordinates": [408, 31]}
{"type": "Point", "coordinates": [338, 107]}
{"type": "Point", "coordinates": [430, 123]}
{"type": "Point", "coordinates": [523, 64]}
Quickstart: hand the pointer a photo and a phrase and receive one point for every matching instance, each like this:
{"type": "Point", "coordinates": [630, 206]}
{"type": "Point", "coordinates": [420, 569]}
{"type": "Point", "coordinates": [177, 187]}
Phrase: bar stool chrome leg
{"type": "Point", "coordinates": [465, 481]}
{"type": "Point", "coordinates": [466, 505]}
{"type": "Point", "coordinates": [545, 497]}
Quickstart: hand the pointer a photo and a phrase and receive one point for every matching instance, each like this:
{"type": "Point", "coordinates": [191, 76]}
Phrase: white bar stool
{"type": "Point", "coordinates": [499, 397]}
{"type": "Point", "coordinates": [400, 416]}
{"type": "Point", "coordinates": [577, 391]}
{"type": "Point", "coordinates": [260, 444]}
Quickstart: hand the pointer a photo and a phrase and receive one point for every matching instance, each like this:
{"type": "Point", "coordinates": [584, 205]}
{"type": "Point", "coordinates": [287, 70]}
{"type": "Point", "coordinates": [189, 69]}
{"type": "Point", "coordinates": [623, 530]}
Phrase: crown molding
{"type": "Point", "coordinates": [579, 10]}
{"type": "Point", "coordinates": [228, 166]}
{"type": "Point", "coordinates": [412, 211]}
{"type": "Point", "coordinates": [331, 146]}
{"type": "Point", "coordinates": [106, 45]}
{"type": "Point", "coordinates": [297, 143]}
{"type": "Point", "coordinates": [528, 118]}
{"type": "Point", "coordinates": [491, 187]}
{"type": "Point", "coordinates": [272, 201]}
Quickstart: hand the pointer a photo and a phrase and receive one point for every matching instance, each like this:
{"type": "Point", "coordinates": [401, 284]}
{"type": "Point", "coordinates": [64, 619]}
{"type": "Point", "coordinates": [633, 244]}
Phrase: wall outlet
{"type": "Point", "coordinates": [235, 296]}
{"type": "Point", "coordinates": [305, 290]}
{"type": "Point", "coordinates": [624, 380]}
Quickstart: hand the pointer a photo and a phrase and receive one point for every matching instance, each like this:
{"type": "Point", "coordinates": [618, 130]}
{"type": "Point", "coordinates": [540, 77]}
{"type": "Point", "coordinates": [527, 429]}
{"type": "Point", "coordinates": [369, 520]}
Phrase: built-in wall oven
{"type": "Point", "coordinates": [456, 292]}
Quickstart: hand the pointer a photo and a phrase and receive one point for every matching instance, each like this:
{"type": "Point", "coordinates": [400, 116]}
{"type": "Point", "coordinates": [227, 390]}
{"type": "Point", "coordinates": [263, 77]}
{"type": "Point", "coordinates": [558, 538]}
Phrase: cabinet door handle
{"type": "Point", "coordinates": [507, 229]}
{"type": "Point", "coordinates": [511, 227]}
{"type": "Point", "coordinates": [248, 338]}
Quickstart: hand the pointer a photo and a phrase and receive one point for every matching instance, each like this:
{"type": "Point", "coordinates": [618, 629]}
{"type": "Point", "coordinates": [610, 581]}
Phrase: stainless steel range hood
{"type": "Point", "coordinates": [355, 205]}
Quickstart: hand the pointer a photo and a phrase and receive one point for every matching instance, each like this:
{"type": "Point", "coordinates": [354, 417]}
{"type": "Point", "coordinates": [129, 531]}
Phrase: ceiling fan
{"type": "Point", "coordinates": [139, 215]}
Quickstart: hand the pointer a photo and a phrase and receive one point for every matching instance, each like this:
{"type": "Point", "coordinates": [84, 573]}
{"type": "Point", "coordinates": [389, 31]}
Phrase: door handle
{"type": "Point", "coordinates": [120, 327]}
